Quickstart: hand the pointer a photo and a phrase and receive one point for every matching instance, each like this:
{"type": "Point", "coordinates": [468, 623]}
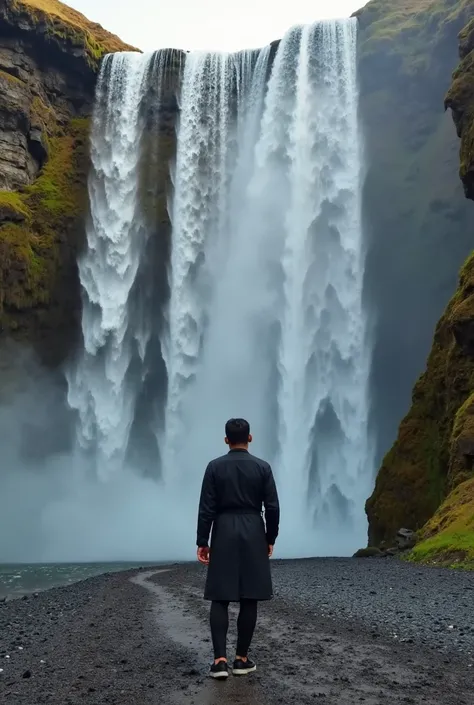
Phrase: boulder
{"type": "Point", "coordinates": [369, 552]}
{"type": "Point", "coordinates": [406, 539]}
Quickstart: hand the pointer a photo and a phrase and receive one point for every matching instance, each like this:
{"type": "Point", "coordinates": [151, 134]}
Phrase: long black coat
{"type": "Point", "coordinates": [234, 489]}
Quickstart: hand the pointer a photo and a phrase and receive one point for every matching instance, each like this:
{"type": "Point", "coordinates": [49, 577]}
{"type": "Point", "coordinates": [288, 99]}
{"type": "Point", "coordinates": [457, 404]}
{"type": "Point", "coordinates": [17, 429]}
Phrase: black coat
{"type": "Point", "coordinates": [234, 489]}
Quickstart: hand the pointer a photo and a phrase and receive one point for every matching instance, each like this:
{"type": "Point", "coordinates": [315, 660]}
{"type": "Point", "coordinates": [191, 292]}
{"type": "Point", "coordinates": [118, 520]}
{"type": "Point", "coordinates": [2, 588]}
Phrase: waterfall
{"type": "Point", "coordinates": [253, 307]}
{"type": "Point", "coordinates": [323, 360]}
{"type": "Point", "coordinates": [106, 383]}
{"type": "Point", "coordinates": [267, 270]}
{"type": "Point", "coordinates": [217, 89]}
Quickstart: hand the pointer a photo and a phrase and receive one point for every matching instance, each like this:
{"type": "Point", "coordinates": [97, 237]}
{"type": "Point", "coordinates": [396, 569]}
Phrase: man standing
{"type": "Point", "coordinates": [234, 488]}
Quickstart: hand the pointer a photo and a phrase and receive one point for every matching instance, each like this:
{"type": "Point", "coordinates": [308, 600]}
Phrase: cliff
{"type": "Point", "coordinates": [460, 99]}
{"type": "Point", "coordinates": [448, 537]}
{"type": "Point", "coordinates": [414, 206]}
{"type": "Point", "coordinates": [427, 478]}
{"type": "Point", "coordinates": [49, 58]}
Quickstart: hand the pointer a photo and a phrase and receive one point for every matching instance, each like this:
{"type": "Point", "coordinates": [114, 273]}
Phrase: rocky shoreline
{"type": "Point", "coordinates": [141, 637]}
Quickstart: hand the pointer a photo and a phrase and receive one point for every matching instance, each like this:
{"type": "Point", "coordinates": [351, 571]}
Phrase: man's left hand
{"type": "Point", "coordinates": [203, 553]}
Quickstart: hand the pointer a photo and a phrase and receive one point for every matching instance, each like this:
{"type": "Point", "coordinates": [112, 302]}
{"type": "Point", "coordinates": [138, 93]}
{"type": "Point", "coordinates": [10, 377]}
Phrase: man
{"type": "Point", "coordinates": [234, 488]}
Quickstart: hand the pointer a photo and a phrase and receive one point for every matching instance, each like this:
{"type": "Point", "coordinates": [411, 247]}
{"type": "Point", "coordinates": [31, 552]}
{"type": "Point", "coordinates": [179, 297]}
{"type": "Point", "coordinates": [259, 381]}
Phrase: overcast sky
{"type": "Point", "coordinates": [208, 24]}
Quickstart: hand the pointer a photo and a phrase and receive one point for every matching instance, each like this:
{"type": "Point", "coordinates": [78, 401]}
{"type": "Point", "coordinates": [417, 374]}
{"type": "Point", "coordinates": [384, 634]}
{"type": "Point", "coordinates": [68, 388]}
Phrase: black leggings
{"type": "Point", "coordinates": [245, 627]}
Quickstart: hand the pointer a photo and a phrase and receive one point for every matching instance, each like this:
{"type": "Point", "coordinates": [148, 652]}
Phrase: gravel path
{"type": "Point", "coordinates": [141, 638]}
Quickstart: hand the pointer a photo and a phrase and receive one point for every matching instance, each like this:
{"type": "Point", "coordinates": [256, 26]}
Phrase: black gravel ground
{"type": "Point", "coordinates": [430, 606]}
{"type": "Point", "coordinates": [339, 631]}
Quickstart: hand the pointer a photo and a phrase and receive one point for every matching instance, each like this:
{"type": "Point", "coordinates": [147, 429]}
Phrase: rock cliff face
{"type": "Point", "coordinates": [430, 469]}
{"type": "Point", "coordinates": [460, 99]}
{"type": "Point", "coordinates": [49, 58]}
{"type": "Point", "coordinates": [416, 217]}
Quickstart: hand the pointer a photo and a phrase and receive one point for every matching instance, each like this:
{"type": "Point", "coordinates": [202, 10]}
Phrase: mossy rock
{"type": "Point", "coordinates": [39, 246]}
{"type": "Point", "coordinates": [423, 464]}
{"type": "Point", "coordinates": [460, 99]}
{"type": "Point", "coordinates": [13, 207]}
{"type": "Point", "coordinates": [369, 552]}
{"type": "Point", "coordinates": [11, 79]}
{"type": "Point", "coordinates": [403, 30]}
{"type": "Point", "coordinates": [68, 28]}
{"type": "Point", "coordinates": [448, 538]}
{"type": "Point", "coordinates": [462, 444]}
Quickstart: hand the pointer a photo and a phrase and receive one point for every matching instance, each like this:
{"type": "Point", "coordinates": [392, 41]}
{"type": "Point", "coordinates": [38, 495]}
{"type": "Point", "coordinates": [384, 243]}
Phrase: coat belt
{"type": "Point", "coordinates": [239, 511]}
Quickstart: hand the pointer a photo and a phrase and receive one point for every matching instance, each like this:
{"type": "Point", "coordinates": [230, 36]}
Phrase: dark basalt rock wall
{"type": "Point", "coordinates": [432, 454]}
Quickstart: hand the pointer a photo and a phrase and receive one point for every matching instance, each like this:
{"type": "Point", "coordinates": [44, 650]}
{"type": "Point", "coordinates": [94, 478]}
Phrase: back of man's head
{"type": "Point", "coordinates": [237, 432]}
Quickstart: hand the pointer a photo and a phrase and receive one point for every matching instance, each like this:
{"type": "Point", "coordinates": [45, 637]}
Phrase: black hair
{"type": "Point", "coordinates": [237, 431]}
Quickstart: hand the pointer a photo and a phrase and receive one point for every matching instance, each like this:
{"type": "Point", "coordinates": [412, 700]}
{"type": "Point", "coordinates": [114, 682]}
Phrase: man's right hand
{"type": "Point", "coordinates": [270, 551]}
{"type": "Point", "coordinates": [203, 554]}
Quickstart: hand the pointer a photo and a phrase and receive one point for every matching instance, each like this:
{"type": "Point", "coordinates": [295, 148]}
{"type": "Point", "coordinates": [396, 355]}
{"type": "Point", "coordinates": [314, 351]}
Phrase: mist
{"type": "Point", "coordinates": [53, 508]}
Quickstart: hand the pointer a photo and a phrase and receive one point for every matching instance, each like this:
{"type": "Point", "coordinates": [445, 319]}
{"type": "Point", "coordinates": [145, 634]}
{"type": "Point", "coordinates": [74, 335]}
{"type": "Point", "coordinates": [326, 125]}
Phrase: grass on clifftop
{"type": "Point", "coordinates": [65, 23]}
{"type": "Point", "coordinates": [448, 538]}
{"type": "Point", "coordinates": [405, 27]}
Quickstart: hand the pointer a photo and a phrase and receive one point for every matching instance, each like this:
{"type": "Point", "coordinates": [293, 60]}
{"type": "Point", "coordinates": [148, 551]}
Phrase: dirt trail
{"type": "Point", "coordinates": [301, 661]}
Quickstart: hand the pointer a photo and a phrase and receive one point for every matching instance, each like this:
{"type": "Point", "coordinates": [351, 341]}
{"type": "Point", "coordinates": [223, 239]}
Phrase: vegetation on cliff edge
{"type": "Point", "coordinates": [400, 28]}
{"type": "Point", "coordinates": [65, 25]}
{"type": "Point", "coordinates": [448, 538]}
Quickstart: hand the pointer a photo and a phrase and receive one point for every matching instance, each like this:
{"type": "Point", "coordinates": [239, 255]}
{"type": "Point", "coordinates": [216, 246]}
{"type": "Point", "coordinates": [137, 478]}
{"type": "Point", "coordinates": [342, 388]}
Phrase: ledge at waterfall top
{"type": "Point", "coordinates": [49, 56]}
{"type": "Point", "coordinates": [433, 457]}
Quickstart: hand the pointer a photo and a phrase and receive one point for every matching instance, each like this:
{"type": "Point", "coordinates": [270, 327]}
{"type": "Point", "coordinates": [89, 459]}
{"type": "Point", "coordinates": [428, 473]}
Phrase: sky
{"type": "Point", "coordinates": [208, 24]}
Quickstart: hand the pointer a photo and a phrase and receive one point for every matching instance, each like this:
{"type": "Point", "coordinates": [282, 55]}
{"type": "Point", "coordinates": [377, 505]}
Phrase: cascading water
{"type": "Point", "coordinates": [198, 216]}
{"type": "Point", "coordinates": [99, 388]}
{"type": "Point", "coordinates": [281, 332]}
{"type": "Point", "coordinates": [323, 360]}
{"type": "Point", "coordinates": [106, 383]}
{"type": "Point", "coordinates": [260, 308]}
{"type": "Point", "coordinates": [218, 86]}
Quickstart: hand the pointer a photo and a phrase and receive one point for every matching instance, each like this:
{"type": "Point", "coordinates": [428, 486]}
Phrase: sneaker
{"type": "Point", "coordinates": [241, 668]}
{"type": "Point", "coordinates": [219, 670]}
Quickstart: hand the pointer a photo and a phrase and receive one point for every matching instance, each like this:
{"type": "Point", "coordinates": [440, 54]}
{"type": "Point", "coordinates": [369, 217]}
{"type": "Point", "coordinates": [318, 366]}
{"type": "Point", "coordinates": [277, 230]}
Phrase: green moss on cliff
{"type": "Point", "coordinates": [433, 455]}
{"type": "Point", "coordinates": [11, 79]}
{"type": "Point", "coordinates": [32, 252]}
{"type": "Point", "coordinates": [64, 25]}
{"type": "Point", "coordinates": [402, 30]}
{"type": "Point", "coordinates": [13, 206]}
{"type": "Point", "coordinates": [414, 205]}
{"type": "Point", "coordinates": [427, 458]}
{"type": "Point", "coordinates": [448, 538]}
{"type": "Point", "coordinates": [460, 99]}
